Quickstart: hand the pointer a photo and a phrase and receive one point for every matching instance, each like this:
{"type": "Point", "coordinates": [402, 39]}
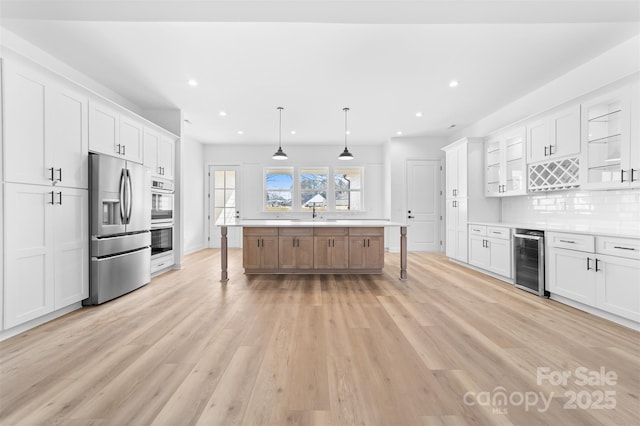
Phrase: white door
{"type": "Point", "coordinates": [423, 205]}
{"type": "Point", "coordinates": [224, 204]}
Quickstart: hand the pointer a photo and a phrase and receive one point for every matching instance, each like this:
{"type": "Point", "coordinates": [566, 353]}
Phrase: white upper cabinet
{"type": "Point", "coordinates": [158, 153]}
{"type": "Point", "coordinates": [555, 135]}
{"type": "Point", "coordinates": [45, 129]}
{"type": "Point", "coordinates": [114, 133]}
{"type": "Point", "coordinates": [456, 173]}
{"type": "Point", "coordinates": [505, 172]}
{"type": "Point", "coordinates": [610, 146]}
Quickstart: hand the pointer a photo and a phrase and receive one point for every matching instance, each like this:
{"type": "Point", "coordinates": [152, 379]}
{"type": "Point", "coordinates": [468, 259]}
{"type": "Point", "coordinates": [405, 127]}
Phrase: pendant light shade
{"type": "Point", "coordinates": [345, 155]}
{"type": "Point", "coordinates": [280, 155]}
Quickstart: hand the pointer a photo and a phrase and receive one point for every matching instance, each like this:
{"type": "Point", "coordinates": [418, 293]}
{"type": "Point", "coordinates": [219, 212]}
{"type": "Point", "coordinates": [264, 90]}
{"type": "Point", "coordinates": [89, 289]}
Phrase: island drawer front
{"type": "Point", "coordinates": [252, 231]}
{"type": "Point", "coordinates": [577, 242]}
{"type": "Point", "coordinates": [622, 247]}
{"type": "Point", "coordinates": [295, 232]}
{"type": "Point", "coordinates": [478, 230]}
{"type": "Point", "coordinates": [366, 231]}
{"type": "Point", "coordinates": [499, 232]}
{"type": "Point", "coordinates": [331, 232]}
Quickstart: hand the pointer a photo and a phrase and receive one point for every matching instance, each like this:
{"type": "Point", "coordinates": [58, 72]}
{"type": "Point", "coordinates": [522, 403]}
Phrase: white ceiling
{"type": "Point", "coordinates": [386, 60]}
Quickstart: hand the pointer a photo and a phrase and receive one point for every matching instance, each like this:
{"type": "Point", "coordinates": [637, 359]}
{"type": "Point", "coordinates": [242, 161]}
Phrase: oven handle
{"type": "Point", "coordinates": [528, 237]}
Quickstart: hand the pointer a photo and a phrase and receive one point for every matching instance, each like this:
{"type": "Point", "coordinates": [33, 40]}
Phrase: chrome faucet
{"type": "Point", "coordinates": [314, 214]}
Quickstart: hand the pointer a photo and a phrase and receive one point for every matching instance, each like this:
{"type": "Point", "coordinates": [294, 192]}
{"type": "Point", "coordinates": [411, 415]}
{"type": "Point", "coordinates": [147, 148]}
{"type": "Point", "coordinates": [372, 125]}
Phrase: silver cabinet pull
{"type": "Point", "coordinates": [597, 260]}
{"type": "Point", "coordinates": [567, 241]}
{"type": "Point", "coordinates": [624, 248]}
{"type": "Point", "coordinates": [51, 170]}
{"type": "Point", "coordinates": [52, 200]}
{"type": "Point", "coordinates": [622, 176]}
{"type": "Point", "coordinates": [588, 264]}
{"type": "Point", "coordinates": [60, 198]}
{"type": "Point", "coordinates": [124, 150]}
{"type": "Point", "coordinates": [119, 150]}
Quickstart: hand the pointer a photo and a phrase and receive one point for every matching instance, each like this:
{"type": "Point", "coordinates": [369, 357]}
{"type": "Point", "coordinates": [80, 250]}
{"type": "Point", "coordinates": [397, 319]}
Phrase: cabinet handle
{"type": "Point", "coordinates": [597, 260]}
{"type": "Point", "coordinates": [258, 241]}
{"type": "Point", "coordinates": [60, 174]}
{"type": "Point", "coordinates": [60, 198]}
{"type": "Point", "coordinates": [588, 263]}
{"type": "Point", "coordinates": [567, 241]}
{"type": "Point", "coordinates": [51, 170]}
{"type": "Point", "coordinates": [632, 179]}
{"type": "Point", "coordinates": [622, 176]}
{"type": "Point", "coordinates": [368, 243]}
{"type": "Point", "coordinates": [545, 150]}
{"type": "Point", "coordinates": [551, 150]}
{"type": "Point", "coordinates": [119, 149]}
{"type": "Point", "coordinates": [124, 150]}
{"type": "Point", "coordinates": [159, 170]}
{"type": "Point", "coordinates": [624, 248]}
{"type": "Point", "coordinates": [52, 201]}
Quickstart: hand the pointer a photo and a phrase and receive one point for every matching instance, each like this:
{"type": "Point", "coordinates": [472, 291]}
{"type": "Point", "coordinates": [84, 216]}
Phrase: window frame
{"type": "Point", "coordinates": [265, 200]}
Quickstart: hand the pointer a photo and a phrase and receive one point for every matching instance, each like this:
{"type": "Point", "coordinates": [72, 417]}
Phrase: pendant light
{"type": "Point", "coordinates": [345, 155]}
{"type": "Point", "coordinates": [280, 155]}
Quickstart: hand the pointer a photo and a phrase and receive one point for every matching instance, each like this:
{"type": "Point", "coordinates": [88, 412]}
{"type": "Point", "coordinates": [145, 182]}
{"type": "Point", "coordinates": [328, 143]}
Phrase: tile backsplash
{"type": "Point", "coordinates": [605, 209]}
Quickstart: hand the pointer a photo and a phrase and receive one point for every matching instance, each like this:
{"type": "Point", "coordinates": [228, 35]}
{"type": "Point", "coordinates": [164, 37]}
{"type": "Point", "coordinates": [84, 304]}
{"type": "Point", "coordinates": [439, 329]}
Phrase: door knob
{"type": "Point", "coordinates": [411, 217]}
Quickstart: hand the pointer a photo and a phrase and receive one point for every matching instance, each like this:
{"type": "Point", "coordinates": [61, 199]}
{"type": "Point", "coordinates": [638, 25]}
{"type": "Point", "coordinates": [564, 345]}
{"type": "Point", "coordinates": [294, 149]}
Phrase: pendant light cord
{"type": "Point", "coordinates": [280, 130]}
{"type": "Point", "coordinates": [345, 126]}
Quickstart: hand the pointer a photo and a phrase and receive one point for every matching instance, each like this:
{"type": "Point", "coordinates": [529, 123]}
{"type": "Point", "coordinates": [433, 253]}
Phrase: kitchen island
{"type": "Point", "coordinates": [318, 246]}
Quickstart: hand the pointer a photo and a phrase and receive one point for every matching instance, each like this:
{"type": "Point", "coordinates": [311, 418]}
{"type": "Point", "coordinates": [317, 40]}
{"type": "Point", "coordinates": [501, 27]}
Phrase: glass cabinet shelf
{"type": "Point", "coordinates": [605, 117]}
{"type": "Point", "coordinates": [606, 139]}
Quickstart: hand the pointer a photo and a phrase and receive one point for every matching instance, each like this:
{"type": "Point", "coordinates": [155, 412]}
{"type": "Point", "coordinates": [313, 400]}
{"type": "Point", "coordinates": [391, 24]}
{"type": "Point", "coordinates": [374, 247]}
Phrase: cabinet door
{"type": "Point", "coordinates": [461, 188]}
{"type": "Point", "coordinates": [67, 132]}
{"type": "Point", "coordinates": [451, 164]}
{"type": "Point", "coordinates": [571, 275]}
{"type": "Point", "coordinates": [514, 168]}
{"type": "Point", "coordinates": [151, 151]}
{"type": "Point", "coordinates": [500, 256]}
{"type": "Point", "coordinates": [478, 252]}
{"type": "Point", "coordinates": [375, 252]}
{"type": "Point", "coordinates": [618, 286]}
{"type": "Point", "coordinates": [634, 137]}
{"type": "Point", "coordinates": [71, 246]}
{"type": "Point", "coordinates": [462, 232]}
{"type": "Point", "coordinates": [29, 253]}
{"type": "Point", "coordinates": [493, 166]}
{"type": "Point", "coordinates": [538, 140]}
{"type": "Point", "coordinates": [131, 141]}
{"type": "Point", "coordinates": [451, 228]}
{"type": "Point", "coordinates": [287, 252]}
{"type": "Point", "coordinates": [27, 157]}
{"type": "Point", "coordinates": [251, 252]}
{"type": "Point", "coordinates": [269, 253]}
{"type": "Point", "coordinates": [304, 252]}
{"type": "Point", "coordinates": [104, 135]}
{"type": "Point", "coordinates": [565, 126]}
{"type": "Point", "coordinates": [165, 157]}
{"type": "Point", "coordinates": [322, 252]}
{"type": "Point", "coordinates": [357, 252]}
{"type": "Point", "coordinates": [340, 252]}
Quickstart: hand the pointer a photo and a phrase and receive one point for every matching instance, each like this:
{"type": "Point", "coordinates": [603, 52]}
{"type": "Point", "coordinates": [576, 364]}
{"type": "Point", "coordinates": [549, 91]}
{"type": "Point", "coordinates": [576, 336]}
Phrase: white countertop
{"type": "Point", "coordinates": [316, 223]}
{"type": "Point", "coordinates": [613, 231]}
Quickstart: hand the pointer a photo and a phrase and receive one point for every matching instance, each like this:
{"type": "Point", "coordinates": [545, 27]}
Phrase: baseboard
{"type": "Point", "coordinates": [21, 328]}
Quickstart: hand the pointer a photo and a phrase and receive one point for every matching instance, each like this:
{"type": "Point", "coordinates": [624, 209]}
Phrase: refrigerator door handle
{"type": "Point", "coordinates": [121, 196]}
{"type": "Point", "coordinates": [129, 197]}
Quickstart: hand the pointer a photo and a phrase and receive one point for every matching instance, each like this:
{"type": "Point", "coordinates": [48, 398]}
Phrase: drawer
{"type": "Point", "coordinates": [367, 231]}
{"type": "Point", "coordinates": [331, 232]}
{"type": "Point", "coordinates": [577, 242]}
{"type": "Point", "coordinates": [622, 247]}
{"type": "Point", "coordinates": [478, 230]}
{"type": "Point", "coordinates": [295, 232]}
{"type": "Point", "coordinates": [251, 231]}
{"type": "Point", "coordinates": [499, 232]}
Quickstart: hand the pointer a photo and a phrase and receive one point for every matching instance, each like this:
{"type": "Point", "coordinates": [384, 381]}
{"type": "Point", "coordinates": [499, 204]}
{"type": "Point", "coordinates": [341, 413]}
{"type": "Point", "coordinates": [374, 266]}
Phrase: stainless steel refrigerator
{"type": "Point", "coordinates": [120, 228]}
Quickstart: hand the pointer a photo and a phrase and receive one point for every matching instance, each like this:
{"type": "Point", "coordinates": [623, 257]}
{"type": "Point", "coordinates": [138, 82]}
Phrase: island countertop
{"type": "Point", "coordinates": [302, 223]}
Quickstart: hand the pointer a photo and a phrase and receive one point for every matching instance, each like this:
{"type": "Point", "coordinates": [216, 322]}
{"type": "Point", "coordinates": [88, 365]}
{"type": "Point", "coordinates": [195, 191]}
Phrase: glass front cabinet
{"type": "Point", "coordinates": [610, 150]}
{"type": "Point", "coordinates": [505, 172]}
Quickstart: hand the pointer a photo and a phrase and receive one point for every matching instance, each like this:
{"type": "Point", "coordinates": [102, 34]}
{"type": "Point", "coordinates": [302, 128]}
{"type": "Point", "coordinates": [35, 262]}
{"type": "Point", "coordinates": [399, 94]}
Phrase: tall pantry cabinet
{"type": "Point", "coordinates": [465, 200]}
{"type": "Point", "coordinates": [46, 245]}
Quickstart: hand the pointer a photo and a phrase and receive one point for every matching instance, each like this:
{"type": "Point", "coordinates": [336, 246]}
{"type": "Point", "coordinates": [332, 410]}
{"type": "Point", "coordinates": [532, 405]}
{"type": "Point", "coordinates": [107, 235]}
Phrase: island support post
{"type": "Point", "coordinates": [224, 277]}
{"type": "Point", "coordinates": [403, 253]}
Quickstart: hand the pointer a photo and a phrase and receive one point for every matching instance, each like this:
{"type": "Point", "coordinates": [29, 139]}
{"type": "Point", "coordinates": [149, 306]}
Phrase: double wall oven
{"type": "Point", "coordinates": [161, 217]}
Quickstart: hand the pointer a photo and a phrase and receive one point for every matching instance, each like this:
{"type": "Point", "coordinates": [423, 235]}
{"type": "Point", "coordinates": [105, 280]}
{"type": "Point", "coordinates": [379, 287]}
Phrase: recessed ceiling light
{"type": "Point", "coordinates": [348, 132]}
{"type": "Point", "coordinates": [452, 126]}
{"type": "Point", "coordinates": [293, 132]}
{"type": "Point", "coordinates": [240, 132]}
{"type": "Point", "coordinates": [192, 83]}
{"type": "Point", "coordinates": [222, 114]}
{"type": "Point", "coordinates": [453, 83]}
{"type": "Point", "coordinates": [186, 120]}
{"type": "Point", "coordinates": [418, 114]}
{"type": "Point", "coordinates": [399, 132]}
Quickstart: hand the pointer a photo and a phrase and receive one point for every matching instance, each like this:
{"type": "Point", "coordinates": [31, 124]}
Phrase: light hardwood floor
{"type": "Point", "coordinates": [326, 350]}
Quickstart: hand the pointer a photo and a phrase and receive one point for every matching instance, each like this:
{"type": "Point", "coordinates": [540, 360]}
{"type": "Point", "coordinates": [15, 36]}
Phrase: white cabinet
{"type": "Point", "coordinates": [505, 168]}
{"type": "Point", "coordinates": [610, 157]}
{"type": "Point", "coordinates": [465, 200]}
{"type": "Point", "coordinates": [46, 250]}
{"type": "Point", "coordinates": [46, 140]}
{"type": "Point", "coordinates": [159, 153]}
{"type": "Point", "coordinates": [114, 133]}
{"type": "Point", "coordinates": [603, 272]}
{"type": "Point", "coordinates": [490, 248]}
{"type": "Point", "coordinates": [555, 135]}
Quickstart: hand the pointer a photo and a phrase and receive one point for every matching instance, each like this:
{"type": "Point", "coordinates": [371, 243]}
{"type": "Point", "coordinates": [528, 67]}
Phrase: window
{"type": "Point", "coordinates": [348, 189]}
{"type": "Point", "coordinates": [313, 188]}
{"type": "Point", "coordinates": [224, 201]}
{"type": "Point", "coordinates": [279, 189]}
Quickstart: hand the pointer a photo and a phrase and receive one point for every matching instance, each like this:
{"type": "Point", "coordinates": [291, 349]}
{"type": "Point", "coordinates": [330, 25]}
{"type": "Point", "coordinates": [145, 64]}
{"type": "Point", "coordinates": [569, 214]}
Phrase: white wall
{"type": "Point", "coordinates": [253, 158]}
{"type": "Point", "coordinates": [193, 201]}
{"type": "Point", "coordinates": [398, 151]}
